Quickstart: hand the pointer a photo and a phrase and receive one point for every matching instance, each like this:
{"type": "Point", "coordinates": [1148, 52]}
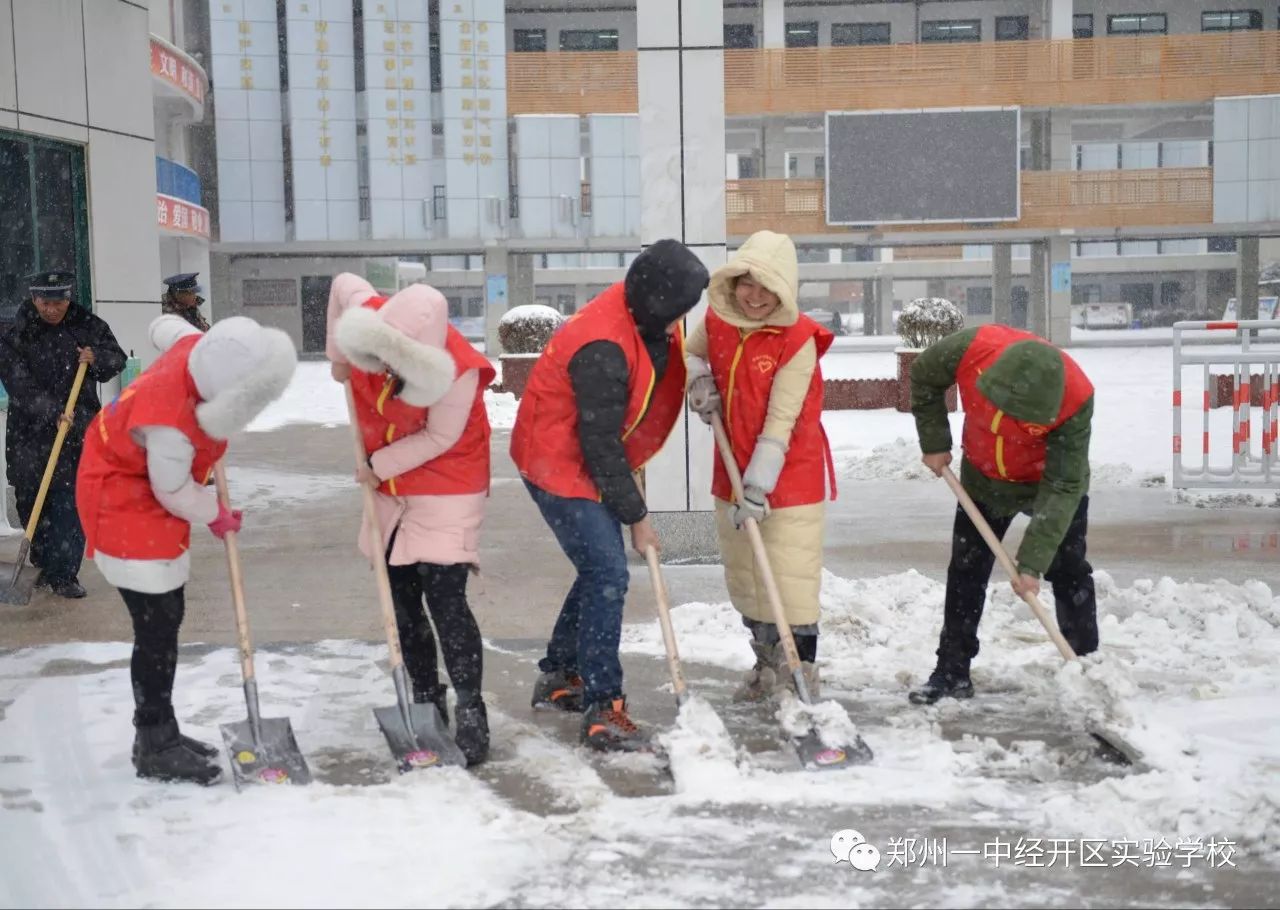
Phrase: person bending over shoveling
{"type": "Point", "coordinates": [1027, 414]}
{"type": "Point", "coordinates": [600, 402]}
{"type": "Point", "coordinates": [142, 484]}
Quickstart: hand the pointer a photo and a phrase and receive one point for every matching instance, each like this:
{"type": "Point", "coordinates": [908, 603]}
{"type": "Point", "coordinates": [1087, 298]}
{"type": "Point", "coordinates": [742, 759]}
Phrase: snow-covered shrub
{"type": "Point", "coordinates": [928, 319]}
{"type": "Point", "coordinates": [527, 329]}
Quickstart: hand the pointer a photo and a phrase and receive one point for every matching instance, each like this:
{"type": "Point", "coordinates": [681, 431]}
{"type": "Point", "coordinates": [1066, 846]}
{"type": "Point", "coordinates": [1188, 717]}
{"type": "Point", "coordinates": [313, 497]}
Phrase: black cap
{"type": "Point", "coordinates": [186, 281]}
{"type": "Point", "coordinates": [53, 285]}
{"type": "Point", "coordinates": [663, 283]}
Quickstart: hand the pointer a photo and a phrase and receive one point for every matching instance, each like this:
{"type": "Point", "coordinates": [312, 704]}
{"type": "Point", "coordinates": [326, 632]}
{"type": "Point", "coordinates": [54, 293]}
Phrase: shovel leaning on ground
{"type": "Point", "coordinates": [1112, 745]}
{"type": "Point", "coordinates": [263, 750]}
{"type": "Point", "coordinates": [417, 734]}
{"type": "Point", "coordinates": [668, 631]}
{"type": "Point", "coordinates": [18, 591]}
{"type": "Point", "coordinates": [814, 754]}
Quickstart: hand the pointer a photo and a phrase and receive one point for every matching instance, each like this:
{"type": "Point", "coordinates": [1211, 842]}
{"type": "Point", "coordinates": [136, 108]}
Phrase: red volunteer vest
{"type": "Point", "coordinates": [120, 515]}
{"type": "Point", "coordinates": [744, 365]}
{"type": "Point", "coordinates": [384, 419]}
{"type": "Point", "coordinates": [544, 440]}
{"type": "Point", "coordinates": [997, 445]}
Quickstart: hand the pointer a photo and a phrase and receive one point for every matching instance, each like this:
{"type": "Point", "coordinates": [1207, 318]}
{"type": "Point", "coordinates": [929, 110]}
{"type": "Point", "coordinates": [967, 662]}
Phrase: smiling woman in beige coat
{"type": "Point", "coordinates": [755, 359]}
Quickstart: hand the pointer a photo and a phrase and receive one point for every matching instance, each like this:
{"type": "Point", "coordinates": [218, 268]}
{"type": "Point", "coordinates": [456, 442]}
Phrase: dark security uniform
{"type": "Point", "coordinates": [38, 364]}
{"type": "Point", "coordinates": [169, 304]}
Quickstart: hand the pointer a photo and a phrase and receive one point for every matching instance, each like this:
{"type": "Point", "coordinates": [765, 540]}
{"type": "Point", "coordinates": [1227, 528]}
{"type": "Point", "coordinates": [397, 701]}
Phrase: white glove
{"type": "Point", "coordinates": [704, 397]}
{"type": "Point", "coordinates": [765, 465]}
{"type": "Point", "coordinates": [752, 505]}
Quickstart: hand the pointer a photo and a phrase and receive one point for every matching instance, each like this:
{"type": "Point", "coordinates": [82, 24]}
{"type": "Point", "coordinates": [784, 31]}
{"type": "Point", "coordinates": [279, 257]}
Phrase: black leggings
{"type": "Point", "coordinates": [445, 588]}
{"type": "Point", "coordinates": [156, 620]}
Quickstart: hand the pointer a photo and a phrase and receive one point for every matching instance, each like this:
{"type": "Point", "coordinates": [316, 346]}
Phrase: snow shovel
{"type": "Point", "coordinates": [1113, 747]}
{"type": "Point", "coordinates": [417, 734]}
{"type": "Point", "coordinates": [668, 631]}
{"type": "Point", "coordinates": [814, 754]}
{"type": "Point", "coordinates": [263, 750]}
{"type": "Point", "coordinates": [18, 593]}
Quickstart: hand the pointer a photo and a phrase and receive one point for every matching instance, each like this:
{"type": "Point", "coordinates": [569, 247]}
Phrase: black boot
{"type": "Point", "coordinates": [160, 755]}
{"type": "Point", "coordinates": [69, 588]}
{"type": "Point", "coordinates": [433, 695]}
{"type": "Point", "coordinates": [471, 727]}
{"type": "Point", "coordinates": [943, 683]}
{"type": "Point", "coordinates": [203, 749]}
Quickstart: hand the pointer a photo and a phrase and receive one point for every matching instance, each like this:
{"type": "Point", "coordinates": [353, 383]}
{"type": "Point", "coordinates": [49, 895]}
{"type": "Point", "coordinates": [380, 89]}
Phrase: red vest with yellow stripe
{"type": "Point", "coordinates": [744, 365]}
{"type": "Point", "coordinates": [120, 515]}
{"type": "Point", "coordinates": [997, 445]}
{"type": "Point", "coordinates": [385, 419]}
{"type": "Point", "coordinates": [544, 440]}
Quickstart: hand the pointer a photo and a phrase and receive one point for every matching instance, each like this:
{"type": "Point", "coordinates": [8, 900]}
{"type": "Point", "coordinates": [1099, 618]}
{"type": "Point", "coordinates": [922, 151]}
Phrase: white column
{"type": "Point", "coordinates": [1058, 25]}
{"type": "Point", "coordinates": [1058, 310]}
{"type": "Point", "coordinates": [775, 23]}
{"type": "Point", "coordinates": [681, 85]}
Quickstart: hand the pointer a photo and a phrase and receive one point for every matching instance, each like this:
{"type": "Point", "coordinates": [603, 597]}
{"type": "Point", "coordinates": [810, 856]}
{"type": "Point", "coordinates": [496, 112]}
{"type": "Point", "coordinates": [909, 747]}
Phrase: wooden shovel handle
{"type": "Point", "coordinates": [375, 540]}
{"type": "Point", "coordinates": [237, 578]}
{"type": "Point", "coordinates": [1002, 555]}
{"type": "Point", "coordinates": [67, 411]}
{"type": "Point", "coordinates": [757, 545]}
{"type": "Point", "coordinates": [664, 619]}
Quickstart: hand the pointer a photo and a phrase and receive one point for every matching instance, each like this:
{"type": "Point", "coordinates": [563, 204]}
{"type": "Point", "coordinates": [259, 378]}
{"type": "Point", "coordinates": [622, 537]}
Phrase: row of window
{"type": "Point", "coordinates": [848, 34]}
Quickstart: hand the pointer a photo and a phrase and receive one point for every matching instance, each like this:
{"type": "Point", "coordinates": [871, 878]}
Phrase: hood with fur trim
{"type": "Point", "coordinates": [771, 260]}
{"type": "Point", "coordinates": [405, 336]}
{"type": "Point", "coordinates": [239, 368]}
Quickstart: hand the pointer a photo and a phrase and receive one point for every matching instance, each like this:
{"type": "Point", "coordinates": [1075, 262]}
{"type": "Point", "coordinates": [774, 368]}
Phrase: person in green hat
{"type": "Point", "coordinates": [1028, 409]}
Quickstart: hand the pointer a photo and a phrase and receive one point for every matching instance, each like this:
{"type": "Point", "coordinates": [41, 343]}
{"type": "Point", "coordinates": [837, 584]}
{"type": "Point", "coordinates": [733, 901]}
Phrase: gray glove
{"type": "Point", "coordinates": [765, 465]}
{"type": "Point", "coordinates": [753, 504]}
{"type": "Point", "coordinates": [704, 397]}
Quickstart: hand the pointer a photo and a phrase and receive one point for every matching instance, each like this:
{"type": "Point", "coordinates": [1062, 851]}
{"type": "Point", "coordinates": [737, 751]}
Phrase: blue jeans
{"type": "Point", "coordinates": [586, 635]}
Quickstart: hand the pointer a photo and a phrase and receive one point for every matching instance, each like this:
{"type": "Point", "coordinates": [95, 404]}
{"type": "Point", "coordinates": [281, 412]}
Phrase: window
{"type": "Point", "coordinates": [44, 221]}
{"type": "Point", "coordinates": [566, 304]}
{"type": "Point", "coordinates": [438, 199]}
{"type": "Point", "coordinates": [1086, 293]}
{"type": "Point", "coordinates": [978, 301]}
{"type": "Point", "coordinates": [1231, 21]}
{"type": "Point", "coordinates": [1138, 24]}
{"type": "Point", "coordinates": [951, 30]}
{"type": "Point", "coordinates": [1082, 25]}
{"type": "Point", "coordinates": [433, 62]}
{"type": "Point", "coordinates": [1013, 28]}
{"type": "Point", "coordinates": [845, 34]}
{"type": "Point", "coordinates": [802, 34]}
{"type": "Point", "coordinates": [589, 39]}
{"type": "Point", "coordinates": [740, 37]}
{"type": "Point", "coordinates": [529, 40]}
{"type": "Point", "coordinates": [269, 292]}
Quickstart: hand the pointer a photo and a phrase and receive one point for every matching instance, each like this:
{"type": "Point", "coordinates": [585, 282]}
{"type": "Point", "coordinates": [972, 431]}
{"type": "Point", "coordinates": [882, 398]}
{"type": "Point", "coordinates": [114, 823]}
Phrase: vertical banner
{"type": "Point", "coordinates": [245, 66]}
{"type": "Point", "coordinates": [322, 119]}
{"type": "Point", "coordinates": [398, 94]}
{"type": "Point", "coordinates": [473, 69]}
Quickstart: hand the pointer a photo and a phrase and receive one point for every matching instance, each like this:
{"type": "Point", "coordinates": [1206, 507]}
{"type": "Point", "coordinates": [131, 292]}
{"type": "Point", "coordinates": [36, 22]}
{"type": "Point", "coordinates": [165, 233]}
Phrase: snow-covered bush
{"type": "Point", "coordinates": [928, 319]}
{"type": "Point", "coordinates": [527, 329]}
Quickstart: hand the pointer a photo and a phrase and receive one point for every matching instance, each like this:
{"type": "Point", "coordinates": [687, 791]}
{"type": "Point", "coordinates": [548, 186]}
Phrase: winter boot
{"type": "Point", "coordinates": [433, 695]}
{"type": "Point", "coordinates": [203, 749]}
{"type": "Point", "coordinates": [560, 690]}
{"type": "Point", "coordinates": [943, 683]}
{"type": "Point", "coordinates": [787, 683]}
{"type": "Point", "coordinates": [762, 679]}
{"type": "Point", "coordinates": [160, 755]}
{"type": "Point", "coordinates": [606, 727]}
{"type": "Point", "coordinates": [471, 727]}
{"type": "Point", "coordinates": [69, 588]}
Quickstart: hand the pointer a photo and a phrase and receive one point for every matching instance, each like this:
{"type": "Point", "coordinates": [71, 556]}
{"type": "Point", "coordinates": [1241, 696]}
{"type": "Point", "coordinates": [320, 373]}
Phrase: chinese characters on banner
{"type": "Point", "coordinates": [245, 73]}
{"type": "Point", "coordinates": [474, 95]}
{"type": "Point", "coordinates": [181, 217]}
{"type": "Point", "coordinates": [322, 120]}
{"type": "Point", "coordinates": [397, 89]}
{"type": "Point", "coordinates": [168, 65]}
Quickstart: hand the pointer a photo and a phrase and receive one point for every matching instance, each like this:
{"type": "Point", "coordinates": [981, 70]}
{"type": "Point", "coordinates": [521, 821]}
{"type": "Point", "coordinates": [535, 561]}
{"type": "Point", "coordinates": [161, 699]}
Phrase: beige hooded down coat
{"type": "Point", "coordinates": [792, 536]}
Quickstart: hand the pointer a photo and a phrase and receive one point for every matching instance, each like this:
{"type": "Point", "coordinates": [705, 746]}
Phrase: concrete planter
{"type": "Point", "coordinates": [515, 372]}
{"type": "Point", "coordinates": [906, 357]}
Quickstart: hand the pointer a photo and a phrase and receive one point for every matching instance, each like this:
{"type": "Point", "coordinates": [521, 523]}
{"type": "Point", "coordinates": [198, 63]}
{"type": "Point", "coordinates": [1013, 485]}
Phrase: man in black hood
{"type": "Point", "coordinates": [601, 401]}
{"type": "Point", "coordinates": [39, 356]}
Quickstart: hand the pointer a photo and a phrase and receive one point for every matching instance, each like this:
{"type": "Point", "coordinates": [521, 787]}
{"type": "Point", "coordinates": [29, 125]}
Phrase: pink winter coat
{"type": "Point", "coordinates": [436, 529]}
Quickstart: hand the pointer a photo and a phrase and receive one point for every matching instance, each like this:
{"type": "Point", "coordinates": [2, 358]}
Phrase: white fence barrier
{"type": "Point", "coordinates": [1251, 428]}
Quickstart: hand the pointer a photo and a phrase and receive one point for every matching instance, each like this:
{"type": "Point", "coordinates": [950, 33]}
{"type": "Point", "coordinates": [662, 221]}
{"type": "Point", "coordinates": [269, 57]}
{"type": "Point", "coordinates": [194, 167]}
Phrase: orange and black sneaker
{"type": "Point", "coordinates": [607, 728]}
{"type": "Point", "coordinates": [559, 690]}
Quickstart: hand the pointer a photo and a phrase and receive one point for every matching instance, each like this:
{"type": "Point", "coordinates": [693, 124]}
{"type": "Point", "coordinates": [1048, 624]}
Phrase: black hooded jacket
{"type": "Point", "coordinates": [663, 284]}
{"type": "Point", "coordinates": [38, 364]}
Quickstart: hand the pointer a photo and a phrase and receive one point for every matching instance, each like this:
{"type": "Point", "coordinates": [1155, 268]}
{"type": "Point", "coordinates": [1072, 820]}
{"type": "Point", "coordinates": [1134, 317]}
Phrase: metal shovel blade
{"type": "Point", "coordinates": [17, 592]}
{"type": "Point", "coordinates": [273, 759]}
{"type": "Point", "coordinates": [816, 755]}
{"type": "Point", "coordinates": [427, 745]}
{"type": "Point", "coordinates": [1114, 748]}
